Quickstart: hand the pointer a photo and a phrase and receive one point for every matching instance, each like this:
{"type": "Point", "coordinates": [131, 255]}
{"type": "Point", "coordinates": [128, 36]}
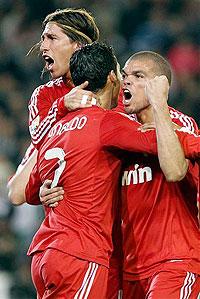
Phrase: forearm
{"type": "Point", "coordinates": [170, 153]}
{"type": "Point", "coordinates": [17, 184]}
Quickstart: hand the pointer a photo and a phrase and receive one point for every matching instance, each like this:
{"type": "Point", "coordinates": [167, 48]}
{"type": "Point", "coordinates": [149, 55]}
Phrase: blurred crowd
{"type": "Point", "coordinates": [169, 27]}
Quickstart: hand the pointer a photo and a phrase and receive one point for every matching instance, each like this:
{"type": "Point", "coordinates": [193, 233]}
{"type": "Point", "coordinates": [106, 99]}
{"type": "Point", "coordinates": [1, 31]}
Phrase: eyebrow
{"type": "Point", "coordinates": [123, 71]}
{"type": "Point", "coordinates": [48, 35]}
{"type": "Point", "coordinates": [133, 72]}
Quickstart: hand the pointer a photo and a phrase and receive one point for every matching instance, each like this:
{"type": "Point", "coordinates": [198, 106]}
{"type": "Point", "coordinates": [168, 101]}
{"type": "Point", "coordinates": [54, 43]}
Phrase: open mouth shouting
{"type": "Point", "coordinates": [127, 96]}
{"type": "Point", "coordinates": [49, 62]}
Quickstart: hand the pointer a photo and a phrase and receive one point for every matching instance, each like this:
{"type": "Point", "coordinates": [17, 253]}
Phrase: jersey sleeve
{"type": "Point", "coordinates": [118, 131]}
{"type": "Point", "coordinates": [33, 187]}
{"type": "Point", "coordinates": [190, 143]}
{"type": "Point", "coordinates": [29, 151]}
{"type": "Point", "coordinates": [43, 114]}
{"type": "Point", "coordinates": [183, 120]}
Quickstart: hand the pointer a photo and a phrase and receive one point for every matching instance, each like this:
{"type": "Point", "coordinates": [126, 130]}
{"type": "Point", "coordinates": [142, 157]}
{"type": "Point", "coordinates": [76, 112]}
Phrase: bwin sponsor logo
{"type": "Point", "coordinates": [137, 176]}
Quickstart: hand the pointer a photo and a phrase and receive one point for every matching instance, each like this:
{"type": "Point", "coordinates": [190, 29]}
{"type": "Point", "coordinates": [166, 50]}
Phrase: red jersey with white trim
{"type": "Point", "coordinates": [177, 117]}
{"type": "Point", "coordinates": [183, 120]}
{"type": "Point", "coordinates": [82, 154]}
{"type": "Point", "coordinates": [159, 218]}
{"type": "Point", "coordinates": [46, 107]}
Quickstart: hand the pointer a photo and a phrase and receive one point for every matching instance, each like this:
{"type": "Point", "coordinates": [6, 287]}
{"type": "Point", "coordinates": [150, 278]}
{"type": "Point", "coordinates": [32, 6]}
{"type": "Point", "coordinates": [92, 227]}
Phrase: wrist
{"type": "Point", "coordinates": [62, 107]}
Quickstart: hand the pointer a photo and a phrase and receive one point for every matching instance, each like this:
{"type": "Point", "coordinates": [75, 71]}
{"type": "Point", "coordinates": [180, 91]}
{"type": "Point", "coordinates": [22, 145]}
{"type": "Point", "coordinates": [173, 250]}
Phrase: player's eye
{"type": "Point", "coordinates": [138, 75]}
{"type": "Point", "coordinates": [123, 75]}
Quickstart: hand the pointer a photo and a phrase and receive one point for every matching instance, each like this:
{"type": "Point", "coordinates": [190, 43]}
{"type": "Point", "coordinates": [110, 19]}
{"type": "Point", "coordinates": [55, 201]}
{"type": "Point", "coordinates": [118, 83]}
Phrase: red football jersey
{"type": "Point", "coordinates": [82, 154]}
{"type": "Point", "coordinates": [183, 120]}
{"type": "Point", "coordinates": [180, 119]}
{"type": "Point", "coordinates": [159, 218]}
{"type": "Point", "coordinates": [46, 107]}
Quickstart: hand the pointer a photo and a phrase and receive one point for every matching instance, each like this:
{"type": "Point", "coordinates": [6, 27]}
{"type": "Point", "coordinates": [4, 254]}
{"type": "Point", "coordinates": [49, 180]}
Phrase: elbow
{"type": "Point", "coordinates": [176, 174]}
{"type": "Point", "coordinates": [14, 195]}
{"type": "Point", "coordinates": [172, 178]}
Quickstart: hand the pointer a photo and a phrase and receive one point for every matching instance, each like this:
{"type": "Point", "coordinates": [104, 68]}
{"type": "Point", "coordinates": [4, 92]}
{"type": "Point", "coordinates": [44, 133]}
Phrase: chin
{"type": "Point", "coordinates": [53, 76]}
{"type": "Point", "coordinates": [58, 73]}
{"type": "Point", "coordinates": [114, 103]}
{"type": "Point", "coordinates": [128, 109]}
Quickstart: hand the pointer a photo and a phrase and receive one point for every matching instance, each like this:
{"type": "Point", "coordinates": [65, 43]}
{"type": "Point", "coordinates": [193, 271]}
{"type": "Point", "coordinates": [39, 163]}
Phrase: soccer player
{"type": "Point", "coordinates": [64, 31]}
{"type": "Point", "coordinates": [83, 153]}
{"type": "Point", "coordinates": [161, 238]}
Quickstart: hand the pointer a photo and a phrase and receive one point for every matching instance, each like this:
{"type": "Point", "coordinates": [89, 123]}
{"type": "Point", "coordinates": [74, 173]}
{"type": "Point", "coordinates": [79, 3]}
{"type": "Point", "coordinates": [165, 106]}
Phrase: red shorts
{"type": "Point", "coordinates": [57, 275]}
{"type": "Point", "coordinates": [169, 284]}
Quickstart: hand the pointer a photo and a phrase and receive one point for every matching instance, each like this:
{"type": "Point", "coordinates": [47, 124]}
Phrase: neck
{"type": "Point", "coordinates": [67, 80]}
{"type": "Point", "coordinates": [104, 98]}
{"type": "Point", "coordinates": [145, 116]}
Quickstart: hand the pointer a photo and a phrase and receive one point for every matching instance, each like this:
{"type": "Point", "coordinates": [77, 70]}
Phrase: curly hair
{"type": "Point", "coordinates": [93, 63]}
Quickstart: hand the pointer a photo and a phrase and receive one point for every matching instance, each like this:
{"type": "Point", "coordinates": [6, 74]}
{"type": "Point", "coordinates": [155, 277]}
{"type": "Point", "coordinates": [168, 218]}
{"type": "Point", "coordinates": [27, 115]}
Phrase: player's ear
{"type": "Point", "coordinates": [112, 77]}
{"type": "Point", "coordinates": [77, 46]}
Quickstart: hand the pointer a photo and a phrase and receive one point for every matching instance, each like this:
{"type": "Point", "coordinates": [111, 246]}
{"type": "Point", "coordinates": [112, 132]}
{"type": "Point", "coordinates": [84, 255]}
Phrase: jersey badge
{"type": "Point", "coordinates": [34, 125]}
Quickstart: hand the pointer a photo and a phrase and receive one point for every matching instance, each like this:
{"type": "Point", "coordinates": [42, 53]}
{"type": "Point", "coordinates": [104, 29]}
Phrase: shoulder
{"type": "Point", "coordinates": [122, 115]}
{"type": "Point", "coordinates": [183, 120]}
{"type": "Point", "coordinates": [119, 120]}
{"type": "Point", "coordinates": [59, 82]}
{"type": "Point", "coordinates": [49, 91]}
{"type": "Point", "coordinates": [50, 85]}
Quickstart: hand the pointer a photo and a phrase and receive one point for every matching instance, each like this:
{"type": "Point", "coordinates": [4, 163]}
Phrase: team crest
{"type": "Point", "coordinates": [35, 123]}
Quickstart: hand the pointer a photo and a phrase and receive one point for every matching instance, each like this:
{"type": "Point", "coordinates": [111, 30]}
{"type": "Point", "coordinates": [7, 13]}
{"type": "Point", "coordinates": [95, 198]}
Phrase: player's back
{"type": "Point", "coordinates": [73, 157]}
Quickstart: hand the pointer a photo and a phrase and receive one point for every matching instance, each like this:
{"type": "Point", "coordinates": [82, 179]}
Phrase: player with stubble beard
{"type": "Point", "coordinates": [161, 239]}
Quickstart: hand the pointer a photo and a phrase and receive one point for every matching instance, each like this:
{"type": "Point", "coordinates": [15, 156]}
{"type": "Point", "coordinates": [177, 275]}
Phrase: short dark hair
{"type": "Point", "coordinates": [93, 63]}
{"type": "Point", "coordinates": [162, 66]}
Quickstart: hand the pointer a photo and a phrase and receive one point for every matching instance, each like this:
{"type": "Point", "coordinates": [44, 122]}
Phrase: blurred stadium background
{"type": "Point", "coordinates": [170, 27]}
